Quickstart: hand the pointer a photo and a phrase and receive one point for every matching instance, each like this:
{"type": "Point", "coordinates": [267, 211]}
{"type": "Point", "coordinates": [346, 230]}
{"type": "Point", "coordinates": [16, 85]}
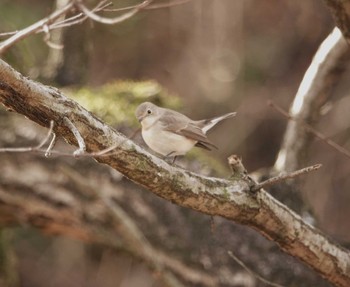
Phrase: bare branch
{"type": "Point", "coordinates": [282, 177]}
{"type": "Point", "coordinates": [52, 22]}
{"type": "Point", "coordinates": [314, 91]}
{"type": "Point", "coordinates": [167, 5]}
{"type": "Point", "coordinates": [149, 7]}
{"type": "Point", "coordinates": [44, 141]}
{"type": "Point", "coordinates": [68, 212]}
{"type": "Point", "coordinates": [5, 34]}
{"type": "Point", "coordinates": [230, 199]}
{"type": "Point", "coordinates": [137, 242]}
{"type": "Point", "coordinates": [48, 41]}
{"type": "Point", "coordinates": [79, 153]}
{"type": "Point", "coordinates": [51, 145]}
{"type": "Point", "coordinates": [77, 135]}
{"type": "Point", "coordinates": [159, 261]}
{"type": "Point", "coordinates": [312, 130]}
{"type": "Point", "coordinates": [34, 28]}
{"type": "Point", "coordinates": [32, 149]}
{"type": "Point", "coordinates": [79, 18]}
{"type": "Point", "coordinates": [111, 21]}
{"type": "Point", "coordinates": [256, 275]}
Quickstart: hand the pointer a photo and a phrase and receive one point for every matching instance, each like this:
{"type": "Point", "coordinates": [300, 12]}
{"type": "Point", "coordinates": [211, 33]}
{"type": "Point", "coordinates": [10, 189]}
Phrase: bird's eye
{"type": "Point", "coordinates": [149, 112]}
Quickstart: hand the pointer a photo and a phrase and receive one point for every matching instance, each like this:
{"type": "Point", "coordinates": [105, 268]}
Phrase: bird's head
{"type": "Point", "coordinates": [146, 113]}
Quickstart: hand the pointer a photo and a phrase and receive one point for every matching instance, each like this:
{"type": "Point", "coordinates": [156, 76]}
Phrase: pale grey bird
{"type": "Point", "coordinates": [171, 133]}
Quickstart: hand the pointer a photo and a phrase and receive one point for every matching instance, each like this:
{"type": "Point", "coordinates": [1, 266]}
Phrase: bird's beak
{"type": "Point", "coordinates": [140, 118]}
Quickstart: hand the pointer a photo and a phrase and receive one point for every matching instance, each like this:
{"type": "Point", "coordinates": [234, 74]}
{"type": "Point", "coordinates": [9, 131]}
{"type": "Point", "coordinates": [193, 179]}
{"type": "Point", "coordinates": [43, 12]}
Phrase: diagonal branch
{"type": "Point", "coordinates": [282, 177]}
{"type": "Point", "coordinates": [77, 135]}
{"type": "Point", "coordinates": [35, 27]}
{"type": "Point", "coordinates": [312, 130]}
{"type": "Point", "coordinates": [111, 21]}
{"type": "Point", "coordinates": [226, 198]}
{"type": "Point", "coordinates": [314, 91]}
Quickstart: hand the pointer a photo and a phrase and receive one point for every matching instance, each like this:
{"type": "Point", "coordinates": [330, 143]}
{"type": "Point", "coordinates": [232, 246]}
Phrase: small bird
{"type": "Point", "coordinates": [171, 133]}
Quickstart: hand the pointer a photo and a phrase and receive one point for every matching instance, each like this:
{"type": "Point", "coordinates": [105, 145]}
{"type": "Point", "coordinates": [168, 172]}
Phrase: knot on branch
{"type": "Point", "coordinates": [239, 171]}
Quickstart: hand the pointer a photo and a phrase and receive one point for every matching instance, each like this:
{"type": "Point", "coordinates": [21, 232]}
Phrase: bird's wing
{"type": "Point", "coordinates": [207, 124]}
{"type": "Point", "coordinates": [182, 125]}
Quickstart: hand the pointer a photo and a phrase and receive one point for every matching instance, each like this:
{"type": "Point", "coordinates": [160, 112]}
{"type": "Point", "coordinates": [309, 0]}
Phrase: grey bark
{"type": "Point", "coordinates": [229, 199]}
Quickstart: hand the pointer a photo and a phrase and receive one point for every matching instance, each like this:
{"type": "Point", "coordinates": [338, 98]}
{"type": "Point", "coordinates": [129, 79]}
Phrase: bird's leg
{"type": "Point", "coordinates": [174, 159]}
{"type": "Point", "coordinates": [169, 155]}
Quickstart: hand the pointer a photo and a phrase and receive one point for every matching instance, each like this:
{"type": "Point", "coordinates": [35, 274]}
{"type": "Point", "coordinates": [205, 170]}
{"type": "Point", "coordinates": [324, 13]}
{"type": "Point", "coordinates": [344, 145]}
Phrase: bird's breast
{"type": "Point", "coordinates": [165, 142]}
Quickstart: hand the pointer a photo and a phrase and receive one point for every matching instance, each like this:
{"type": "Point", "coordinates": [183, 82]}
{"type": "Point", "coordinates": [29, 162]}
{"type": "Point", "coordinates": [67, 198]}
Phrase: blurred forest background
{"type": "Point", "coordinates": [216, 56]}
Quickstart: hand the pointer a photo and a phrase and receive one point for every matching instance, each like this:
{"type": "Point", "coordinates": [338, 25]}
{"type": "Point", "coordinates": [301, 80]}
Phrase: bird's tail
{"type": "Point", "coordinates": [207, 124]}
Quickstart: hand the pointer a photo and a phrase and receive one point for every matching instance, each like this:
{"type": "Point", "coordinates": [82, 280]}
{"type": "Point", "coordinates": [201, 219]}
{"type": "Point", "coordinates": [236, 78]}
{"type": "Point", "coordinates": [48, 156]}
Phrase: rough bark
{"type": "Point", "coordinates": [192, 248]}
{"type": "Point", "coordinates": [340, 11]}
{"type": "Point", "coordinates": [226, 198]}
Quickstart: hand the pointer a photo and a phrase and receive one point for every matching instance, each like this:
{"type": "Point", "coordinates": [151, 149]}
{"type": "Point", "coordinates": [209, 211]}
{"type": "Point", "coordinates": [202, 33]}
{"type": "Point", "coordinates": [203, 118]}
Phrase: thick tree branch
{"type": "Point", "coordinates": [213, 196]}
{"type": "Point", "coordinates": [314, 91]}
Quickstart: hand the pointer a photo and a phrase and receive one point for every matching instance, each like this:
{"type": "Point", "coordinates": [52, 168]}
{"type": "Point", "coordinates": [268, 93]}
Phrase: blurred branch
{"type": "Point", "coordinates": [54, 39]}
{"type": "Point", "coordinates": [111, 21]}
{"type": "Point", "coordinates": [78, 18]}
{"type": "Point", "coordinates": [256, 275]}
{"type": "Point", "coordinates": [8, 259]}
{"type": "Point", "coordinates": [136, 243]}
{"type": "Point", "coordinates": [282, 177]}
{"type": "Point", "coordinates": [34, 28]}
{"type": "Point", "coordinates": [149, 7]}
{"type": "Point", "coordinates": [35, 148]}
{"type": "Point", "coordinates": [340, 12]}
{"type": "Point", "coordinates": [314, 91]}
{"type": "Point", "coordinates": [226, 198]}
{"type": "Point", "coordinates": [77, 135]}
{"type": "Point", "coordinates": [158, 260]}
{"type": "Point", "coordinates": [54, 21]}
{"type": "Point", "coordinates": [312, 130]}
{"type": "Point", "coordinates": [167, 5]}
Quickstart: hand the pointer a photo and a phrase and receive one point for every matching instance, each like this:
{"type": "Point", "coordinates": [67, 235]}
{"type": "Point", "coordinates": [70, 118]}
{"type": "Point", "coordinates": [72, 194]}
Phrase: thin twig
{"type": "Point", "coordinates": [42, 25]}
{"type": "Point", "coordinates": [47, 40]}
{"type": "Point", "coordinates": [34, 27]}
{"type": "Point", "coordinates": [5, 34]}
{"type": "Point", "coordinates": [105, 152]}
{"type": "Point", "coordinates": [149, 7]}
{"type": "Point", "coordinates": [79, 18]}
{"type": "Point", "coordinates": [77, 135]}
{"type": "Point", "coordinates": [166, 5]}
{"type": "Point", "coordinates": [256, 275]}
{"type": "Point", "coordinates": [311, 130]}
{"type": "Point", "coordinates": [48, 152]}
{"type": "Point", "coordinates": [44, 141]}
{"type": "Point", "coordinates": [111, 21]}
{"type": "Point", "coordinates": [31, 149]}
{"type": "Point", "coordinates": [51, 145]}
{"type": "Point", "coordinates": [285, 176]}
{"type": "Point", "coordinates": [76, 19]}
{"type": "Point", "coordinates": [133, 239]}
{"type": "Point", "coordinates": [48, 24]}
